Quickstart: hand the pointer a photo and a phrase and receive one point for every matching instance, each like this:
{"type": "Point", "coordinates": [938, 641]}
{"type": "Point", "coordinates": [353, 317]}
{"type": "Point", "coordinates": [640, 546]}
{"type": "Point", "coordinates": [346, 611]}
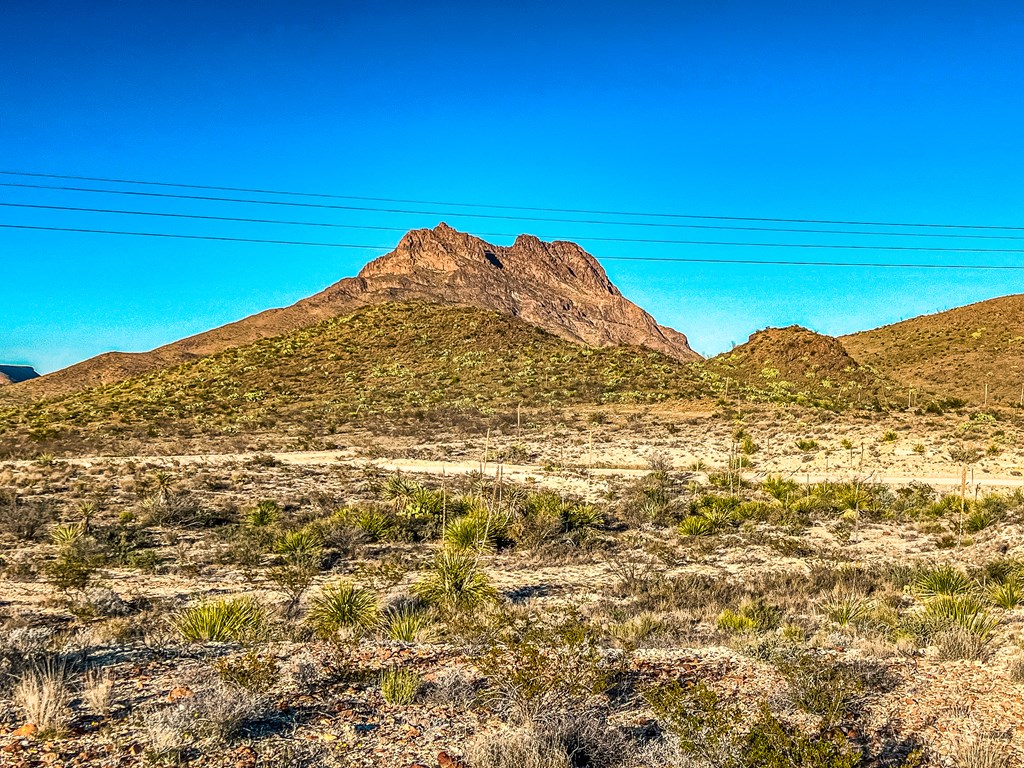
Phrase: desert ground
{"type": "Point", "coordinates": [722, 584]}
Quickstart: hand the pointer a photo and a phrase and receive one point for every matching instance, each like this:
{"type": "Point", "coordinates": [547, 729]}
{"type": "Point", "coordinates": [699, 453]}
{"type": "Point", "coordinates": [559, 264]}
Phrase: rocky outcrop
{"type": "Point", "coordinates": [556, 286]}
{"type": "Point", "coordinates": [15, 374]}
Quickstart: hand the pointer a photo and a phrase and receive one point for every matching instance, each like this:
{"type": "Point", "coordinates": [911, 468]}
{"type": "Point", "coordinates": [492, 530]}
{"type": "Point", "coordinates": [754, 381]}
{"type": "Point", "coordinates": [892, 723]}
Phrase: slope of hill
{"type": "Point", "coordinates": [556, 286]}
{"type": "Point", "coordinates": [386, 359]}
{"type": "Point", "coordinates": [15, 374]}
{"type": "Point", "coordinates": [795, 364]}
{"type": "Point", "coordinates": [954, 353]}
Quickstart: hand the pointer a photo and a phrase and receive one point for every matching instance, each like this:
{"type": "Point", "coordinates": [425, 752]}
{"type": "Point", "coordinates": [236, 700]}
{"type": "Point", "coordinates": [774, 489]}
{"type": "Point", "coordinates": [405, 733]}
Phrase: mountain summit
{"type": "Point", "coordinates": [555, 286]}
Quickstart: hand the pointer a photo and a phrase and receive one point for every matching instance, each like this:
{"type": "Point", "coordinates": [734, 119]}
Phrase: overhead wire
{"type": "Point", "coordinates": [691, 260]}
{"type": "Point", "coordinates": [292, 193]}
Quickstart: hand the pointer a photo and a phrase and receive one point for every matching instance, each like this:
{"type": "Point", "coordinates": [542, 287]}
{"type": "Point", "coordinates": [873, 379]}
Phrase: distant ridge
{"type": "Point", "coordinates": [955, 353]}
{"type": "Point", "coordinates": [15, 374]}
{"type": "Point", "coordinates": [555, 286]}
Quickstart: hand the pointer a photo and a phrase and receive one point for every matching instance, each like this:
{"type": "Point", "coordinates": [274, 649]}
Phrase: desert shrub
{"type": "Point", "coordinates": [712, 732]}
{"type": "Point", "coordinates": [807, 445]}
{"type": "Point", "coordinates": [342, 607]}
{"type": "Point", "coordinates": [77, 561]}
{"type": "Point", "coordinates": [239, 619]}
{"type": "Point", "coordinates": [98, 690]}
{"type": "Point", "coordinates": [773, 744]}
{"type": "Point", "coordinates": [252, 671]}
{"type": "Point", "coordinates": [536, 667]}
{"type": "Point", "coordinates": [821, 685]}
{"type": "Point", "coordinates": [984, 751]}
{"type": "Point", "coordinates": [584, 739]}
{"type": "Point", "coordinates": [399, 686]}
{"type": "Point", "coordinates": [22, 520]}
{"type": "Point", "coordinates": [455, 582]}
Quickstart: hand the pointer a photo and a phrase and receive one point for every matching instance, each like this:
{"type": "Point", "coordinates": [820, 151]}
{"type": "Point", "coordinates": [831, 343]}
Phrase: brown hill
{"type": "Point", "coordinates": [409, 361]}
{"type": "Point", "coordinates": [795, 364]}
{"type": "Point", "coordinates": [953, 353]}
{"type": "Point", "coordinates": [555, 286]}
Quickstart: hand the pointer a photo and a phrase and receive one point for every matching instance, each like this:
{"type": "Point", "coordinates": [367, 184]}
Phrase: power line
{"type": "Point", "coordinates": [194, 237]}
{"type": "Point", "coordinates": [506, 217]}
{"type": "Point", "coordinates": [687, 260]}
{"type": "Point", "coordinates": [247, 220]}
{"type": "Point", "coordinates": [291, 193]}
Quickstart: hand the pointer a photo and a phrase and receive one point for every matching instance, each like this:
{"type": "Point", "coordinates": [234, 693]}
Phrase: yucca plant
{"type": "Point", "coordinates": [66, 535]}
{"type": "Point", "coordinates": [343, 606]}
{"type": "Point", "coordinates": [845, 610]}
{"type": "Point", "coordinates": [407, 625]}
{"type": "Point", "coordinates": [265, 513]}
{"type": "Point", "coordinates": [399, 686]}
{"type": "Point", "coordinates": [779, 488]}
{"type": "Point", "coordinates": [960, 611]}
{"type": "Point", "coordinates": [581, 518]}
{"type": "Point", "coordinates": [455, 582]}
{"type": "Point", "coordinates": [1007, 595]}
{"type": "Point", "coordinates": [695, 525]}
{"type": "Point", "coordinates": [305, 545]}
{"type": "Point", "coordinates": [470, 532]}
{"type": "Point", "coordinates": [944, 580]}
{"type": "Point", "coordinates": [374, 524]}
{"type": "Point", "coordinates": [219, 621]}
{"type": "Point", "coordinates": [731, 621]}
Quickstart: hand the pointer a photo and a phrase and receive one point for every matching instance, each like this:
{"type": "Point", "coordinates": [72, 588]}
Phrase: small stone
{"type": "Point", "coordinates": [445, 760]}
{"type": "Point", "coordinates": [180, 692]}
{"type": "Point", "coordinates": [28, 729]}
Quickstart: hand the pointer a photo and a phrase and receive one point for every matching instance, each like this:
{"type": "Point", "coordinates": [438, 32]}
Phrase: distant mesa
{"type": "Point", "coordinates": [15, 374]}
{"type": "Point", "coordinates": [555, 286]}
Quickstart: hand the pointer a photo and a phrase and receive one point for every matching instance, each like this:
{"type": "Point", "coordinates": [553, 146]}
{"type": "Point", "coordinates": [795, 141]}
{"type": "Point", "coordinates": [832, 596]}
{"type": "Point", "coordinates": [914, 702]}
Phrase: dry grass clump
{"type": "Point", "coordinates": [98, 690]}
{"type": "Point", "coordinates": [44, 697]}
{"type": "Point", "coordinates": [583, 739]}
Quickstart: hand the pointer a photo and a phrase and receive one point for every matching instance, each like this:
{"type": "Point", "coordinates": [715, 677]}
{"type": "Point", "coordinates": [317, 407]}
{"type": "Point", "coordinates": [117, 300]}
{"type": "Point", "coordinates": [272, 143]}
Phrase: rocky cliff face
{"type": "Point", "coordinates": [15, 374]}
{"type": "Point", "coordinates": [556, 286]}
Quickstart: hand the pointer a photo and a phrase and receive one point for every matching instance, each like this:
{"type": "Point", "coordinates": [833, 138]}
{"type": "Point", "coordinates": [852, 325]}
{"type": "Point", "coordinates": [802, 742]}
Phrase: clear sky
{"type": "Point", "coordinates": [880, 111]}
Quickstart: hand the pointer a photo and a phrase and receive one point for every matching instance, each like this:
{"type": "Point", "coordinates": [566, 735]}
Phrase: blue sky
{"type": "Point", "coordinates": [904, 112]}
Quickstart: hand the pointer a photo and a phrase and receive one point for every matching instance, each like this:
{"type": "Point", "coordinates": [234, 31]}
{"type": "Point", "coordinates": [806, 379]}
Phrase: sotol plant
{"type": "Point", "coordinates": [343, 607]}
